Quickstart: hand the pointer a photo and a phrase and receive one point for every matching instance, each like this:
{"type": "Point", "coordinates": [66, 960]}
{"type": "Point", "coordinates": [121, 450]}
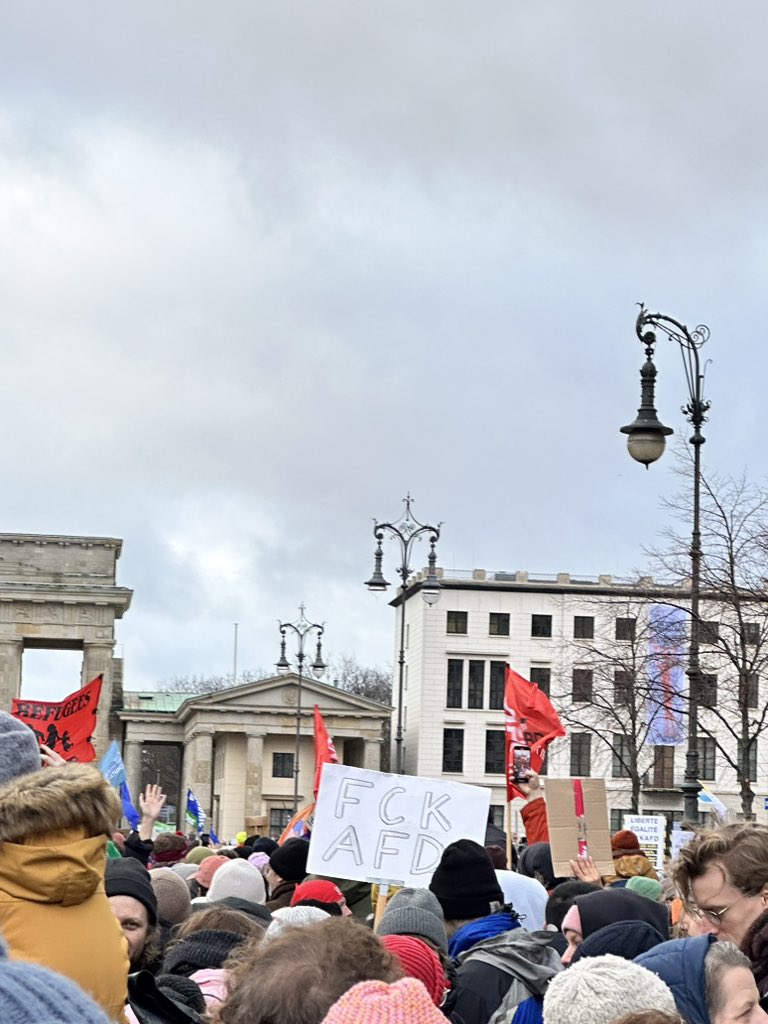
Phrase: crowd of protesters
{"type": "Point", "coordinates": [100, 926]}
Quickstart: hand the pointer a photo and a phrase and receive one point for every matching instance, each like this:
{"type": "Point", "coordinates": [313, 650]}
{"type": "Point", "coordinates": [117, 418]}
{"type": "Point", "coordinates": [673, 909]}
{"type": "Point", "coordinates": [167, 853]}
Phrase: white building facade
{"type": "Point", "coordinates": [571, 636]}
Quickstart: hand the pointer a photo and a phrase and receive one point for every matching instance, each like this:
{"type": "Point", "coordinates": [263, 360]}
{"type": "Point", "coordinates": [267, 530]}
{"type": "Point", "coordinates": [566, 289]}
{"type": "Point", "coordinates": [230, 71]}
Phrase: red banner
{"type": "Point", "coordinates": [325, 752]}
{"type": "Point", "coordinates": [65, 726]}
{"type": "Point", "coordinates": [529, 720]}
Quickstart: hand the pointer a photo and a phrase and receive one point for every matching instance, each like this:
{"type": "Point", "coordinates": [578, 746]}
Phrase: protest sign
{"type": "Point", "coordinates": [577, 812]}
{"type": "Point", "coordinates": [651, 831]}
{"type": "Point", "coordinates": [377, 827]}
{"type": "Point", "coordinates": [65, 726]}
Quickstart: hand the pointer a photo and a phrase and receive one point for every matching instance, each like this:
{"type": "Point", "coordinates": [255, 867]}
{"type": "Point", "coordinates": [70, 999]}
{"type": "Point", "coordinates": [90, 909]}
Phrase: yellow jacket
{"type": "Point", "coordinates": [53, 908]}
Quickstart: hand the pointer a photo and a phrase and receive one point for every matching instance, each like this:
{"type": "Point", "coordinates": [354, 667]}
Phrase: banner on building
{"type": "Point", "coordinates": [325, 752]}
{"type": "Point", "coordinates": [377, 827]}
{"type": "Point", "coordinates": [666, 675]}
{"type": "Point", "coordinates": [66, 726]}
{"type": "Point", "coordinates": [529, 720]}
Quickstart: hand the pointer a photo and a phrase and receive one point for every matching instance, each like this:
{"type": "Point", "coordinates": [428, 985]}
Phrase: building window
{"type": "Point", "coordinates": [751, 759]}
{"type": "Point", "coordinates": [475, 695]}
{"type": "Point", "coordinates": [498, 624]}
{"type": "Point", "coordinates": [282, 766]}
{"type": "Point", "coordinates": [664, 767]}
{"type": "Point", "coordinates": [709, 632]}
{"type": "Point", "coordinates": [278, 819]}
{"type": "Point", "coordinates": [581, 750]}
{"type": "Point", "coordinates": [582, 685]}
{"type": "Point", "coordinates": [456, 622]}
{"type": "Point", "coordinates": [706, 758]}
{"type": "Point", "coordinates": [707, 689]}
{"type": "Point", "coordinates": [748, 691]}
{"type": "Point", "coordinates": [542, 677]}
{"type": "Point", "coordinates": [625, 629]}
{"type": "Point", "coordinates": [453, 750]}
{"type": "Point", "coordinates": [622, 687]}
{"type": "Point", "coordinates": [496, 695]}
{"type": "Point", "coordinates": [617, 817]}
{"type": "Point", "coordinates": [620, 756]}
{"type": "Point", "coordinates": [584, 627]}
{"type": "Point", "coordinates": [752, 633]}
{"type": "Point", "coordinates": [455, 683]}
{"type": "Point", "coordinates": [494, 751]}
{"type": "Point", "coordinates": [541, 625]}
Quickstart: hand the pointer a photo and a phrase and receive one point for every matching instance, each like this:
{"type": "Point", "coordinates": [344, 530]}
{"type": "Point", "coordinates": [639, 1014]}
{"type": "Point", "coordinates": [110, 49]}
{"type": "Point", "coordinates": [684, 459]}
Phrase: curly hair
{"type": "Point", "coordinates": [298, 977]}
{"type": "Point", "coordinates": [740, 849]}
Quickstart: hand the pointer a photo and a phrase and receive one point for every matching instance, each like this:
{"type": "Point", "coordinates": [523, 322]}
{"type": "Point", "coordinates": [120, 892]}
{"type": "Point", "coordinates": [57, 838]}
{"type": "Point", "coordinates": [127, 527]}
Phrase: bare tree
{"type": "Point", "coordinates": [363, 681]}
{"type": "Point", "coordinates": [211, 684]}
{"type": "Point", "coordinates": [614, 683]}
{"type": "Point", "coordinates": [733, 618]}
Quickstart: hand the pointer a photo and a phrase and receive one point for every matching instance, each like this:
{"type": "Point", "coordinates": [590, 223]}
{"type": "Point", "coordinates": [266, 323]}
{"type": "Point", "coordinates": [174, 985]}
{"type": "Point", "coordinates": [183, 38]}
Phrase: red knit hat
{"type": "Point", "coordinates": [419, 961]}
{"type": "Point", "coordinates": [625, 843]}
{"type": "Point", "coordinates": [376, 1002]}
{"type": "Point", "coordinates": [317, 889]}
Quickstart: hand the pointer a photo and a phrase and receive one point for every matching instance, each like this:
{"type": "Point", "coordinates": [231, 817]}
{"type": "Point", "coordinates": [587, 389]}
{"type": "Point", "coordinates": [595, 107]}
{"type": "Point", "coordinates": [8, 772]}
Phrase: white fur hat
{"type": "Point", "coordinates": [601, 989]}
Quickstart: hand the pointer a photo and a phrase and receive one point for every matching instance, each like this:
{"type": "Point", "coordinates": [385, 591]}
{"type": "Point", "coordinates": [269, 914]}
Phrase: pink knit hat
{"type": "Point", "coordinates": [376, 1002]}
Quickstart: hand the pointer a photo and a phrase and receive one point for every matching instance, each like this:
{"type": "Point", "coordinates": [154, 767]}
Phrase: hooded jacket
{"type": "Point", "coordinates": [53, 908]}
{"type": "Point", "coordinates": [680, 963]}
{"type": "Point", "coordinates": [607, 906]}
{"type": "Point", "coordinates": [500, 973]}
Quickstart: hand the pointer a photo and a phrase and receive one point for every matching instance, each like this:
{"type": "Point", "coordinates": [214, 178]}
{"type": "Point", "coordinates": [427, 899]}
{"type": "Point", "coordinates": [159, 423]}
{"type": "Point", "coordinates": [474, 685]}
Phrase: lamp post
{"type": "Point", "coordinates": [645, 442]}
{"type": "Point", "coordinates": [302, 628]}
{"type": "Point", "coordinates": [405, 530]}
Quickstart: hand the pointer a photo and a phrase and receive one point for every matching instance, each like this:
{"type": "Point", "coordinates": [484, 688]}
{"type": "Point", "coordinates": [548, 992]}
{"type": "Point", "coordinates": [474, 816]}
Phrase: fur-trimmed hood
{"type": "Point", "coordinates": [70, 797]}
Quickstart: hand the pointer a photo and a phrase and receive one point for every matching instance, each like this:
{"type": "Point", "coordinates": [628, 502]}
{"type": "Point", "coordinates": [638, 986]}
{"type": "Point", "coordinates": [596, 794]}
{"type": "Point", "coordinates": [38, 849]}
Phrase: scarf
{"type": "Point", "coordinates": [484, 928]}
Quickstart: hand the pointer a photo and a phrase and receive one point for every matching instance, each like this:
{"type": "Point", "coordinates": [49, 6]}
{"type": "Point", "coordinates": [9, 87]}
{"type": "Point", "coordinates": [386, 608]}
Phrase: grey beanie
{"type": "Point", "coordinates": [19, 749]}
{"type": "Point", "coordinates": [601, 989]}
{"type": "Point", "coordinates": [30, 994]}
{"type": "Point", "coordinates": [415, 912]}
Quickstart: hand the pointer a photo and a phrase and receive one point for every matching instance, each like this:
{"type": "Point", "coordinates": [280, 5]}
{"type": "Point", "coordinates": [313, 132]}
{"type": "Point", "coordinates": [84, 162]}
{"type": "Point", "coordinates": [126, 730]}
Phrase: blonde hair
{"type": "Point", "coordinates": [741, 850]}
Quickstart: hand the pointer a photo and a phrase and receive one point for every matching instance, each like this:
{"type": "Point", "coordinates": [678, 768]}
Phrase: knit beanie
{"type": "Point", "coordinates": [626, 939]}
{"type": "Point", "coordinates": [318, 889]}
{"type": "Point", "coordinates": [198, 854]}
{"type": "Point", "coordinates": [624, 843]}
{"type": "Point", "coordinates": [128, 877]}
{"type": "Point", "coordinates": [415, 912]}
{"type": "Point", "coordinates": [262, 844]}
{"type": "Point", "coordinates": [375, 1002]}
{"type": "Point", "coordinates": [237, 878]}
{"type": "Point", "coordinates": [600, 990]}
{"type": "Point", "coordinates": [419, 961]}
{"type": "Point", "coordinates": [172, 892]}
{"type": "Point", "coordinates": [30, 994]}
{"type": "Point", "coordinates": [259, 860]}
{"type": "Point", "coordinates": [465, 882]}
{"type": "Point", "coordinates": [204, 874]}
{"type": "Point", "coordinates": [289, 861]}
{"type": "Point", "coordinates": [19, 749]}
{"type": "Point", "coordinates": [648, 887]}
{"type": "Point", "coordinates": [184, 870]}
{"type": "Point", "coordinates": [207, 948]}
{"type": "Point", "coordinates": [293, 917]}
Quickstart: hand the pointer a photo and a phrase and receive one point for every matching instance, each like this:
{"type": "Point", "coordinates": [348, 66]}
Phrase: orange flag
{"type": "Point", "coordinates": [325, 752]}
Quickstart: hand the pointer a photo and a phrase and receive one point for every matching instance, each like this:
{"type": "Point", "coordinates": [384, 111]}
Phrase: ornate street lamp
{"type": "Point", "coordinates": [405, 530]}
{"type": "Point", "coordinates": [302, 628]}
{"type": "Point", "coordinates": [646, 438]}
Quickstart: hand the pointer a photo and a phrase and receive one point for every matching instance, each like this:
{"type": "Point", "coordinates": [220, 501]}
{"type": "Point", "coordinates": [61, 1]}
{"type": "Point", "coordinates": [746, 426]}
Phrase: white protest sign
{"type": "Point", "coordinates": [377, 827]}
{"type": "Point", "coordinates": [651, 831]}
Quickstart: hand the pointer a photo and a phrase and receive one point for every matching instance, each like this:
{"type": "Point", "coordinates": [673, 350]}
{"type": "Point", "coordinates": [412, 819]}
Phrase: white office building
{"type": "Point", "coordinates": [571, 636]}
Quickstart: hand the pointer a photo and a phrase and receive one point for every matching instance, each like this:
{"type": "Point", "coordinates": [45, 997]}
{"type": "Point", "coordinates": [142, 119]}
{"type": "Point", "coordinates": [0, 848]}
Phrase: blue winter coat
{"type": "Point", "coordinates": [680, 963]}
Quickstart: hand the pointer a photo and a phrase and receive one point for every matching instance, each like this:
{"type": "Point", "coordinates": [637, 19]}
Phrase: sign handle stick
{"type": "Point", "coordinates": [381, 904]}
{"type": "Point", "coordinates": [509, 835]}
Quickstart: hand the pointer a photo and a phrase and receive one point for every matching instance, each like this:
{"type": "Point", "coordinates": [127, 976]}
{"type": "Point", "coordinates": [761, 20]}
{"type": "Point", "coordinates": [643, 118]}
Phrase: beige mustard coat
{"type": "Point", "coordinates": [53, 908]}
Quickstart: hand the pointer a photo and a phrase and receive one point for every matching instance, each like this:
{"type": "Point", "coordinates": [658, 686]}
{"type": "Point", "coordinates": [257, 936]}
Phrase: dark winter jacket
{"type": "Point", "coordinates": [138, 848]}
{"type": "Point", "coordinates": [281, 897]}
{"type": "Point", "coordinates": [680, 964]}
{"type": "Point", "coordinates": [499, 974]}
{"type": "Point", "coordinates": [755, 946]}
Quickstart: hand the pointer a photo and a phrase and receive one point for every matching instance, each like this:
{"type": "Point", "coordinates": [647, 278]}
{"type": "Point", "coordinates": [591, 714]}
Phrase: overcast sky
{"type": "Point", "coordinates": [266, 267]}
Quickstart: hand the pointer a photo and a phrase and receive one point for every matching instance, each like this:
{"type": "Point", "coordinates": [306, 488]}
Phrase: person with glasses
{"type": "Point", "coordinates": [722, 876]}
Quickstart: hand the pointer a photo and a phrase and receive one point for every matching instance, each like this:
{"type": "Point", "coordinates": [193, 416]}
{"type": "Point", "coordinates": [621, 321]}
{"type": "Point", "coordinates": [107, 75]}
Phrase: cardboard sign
{"type": "Point", "coordinates": [377, 827]}
{"type": "Point", "coordinates": [651, 831]}
{"type": "Point", "coordinates": [569, 831]}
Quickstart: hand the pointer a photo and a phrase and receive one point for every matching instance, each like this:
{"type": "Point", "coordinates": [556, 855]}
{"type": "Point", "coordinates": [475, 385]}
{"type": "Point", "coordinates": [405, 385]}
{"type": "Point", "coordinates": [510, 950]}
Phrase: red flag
{"type": "Point", "coordinates": [325, 752]}
{"type": "Point", "coordinates": [530, 720]}
{"type": "Point", "coordinates": [65, 726]}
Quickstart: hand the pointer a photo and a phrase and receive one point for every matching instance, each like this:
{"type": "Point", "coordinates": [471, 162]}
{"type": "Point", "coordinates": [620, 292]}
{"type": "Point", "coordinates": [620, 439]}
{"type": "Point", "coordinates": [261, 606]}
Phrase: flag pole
{"type": "Point", "coordinates": [381, 904]}
{"type": "Point", "coordinates": [509, 836]}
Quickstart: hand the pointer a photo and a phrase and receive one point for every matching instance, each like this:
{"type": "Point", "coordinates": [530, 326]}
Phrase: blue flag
{"type": "Point", "coordinates": [214, 838]}
{"type": "Point", "coordinates": [113, 770]}
{"type": "Point", "coordinates": [130, 812]}
{"type": "Point", "coordinates": [194, 815]}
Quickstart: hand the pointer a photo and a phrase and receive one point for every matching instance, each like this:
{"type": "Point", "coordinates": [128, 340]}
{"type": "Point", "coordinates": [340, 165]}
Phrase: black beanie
{"type": "Point", "coordinates": [464, 882]}
{"type": "Point", "coordinates": [261, 844]}
{"type": "Point", "coordinates": [128, 877]}
{"type": "Point", "coordinates": [208, 948]}
{"type": "Point", "coordinates": [289, 861]}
